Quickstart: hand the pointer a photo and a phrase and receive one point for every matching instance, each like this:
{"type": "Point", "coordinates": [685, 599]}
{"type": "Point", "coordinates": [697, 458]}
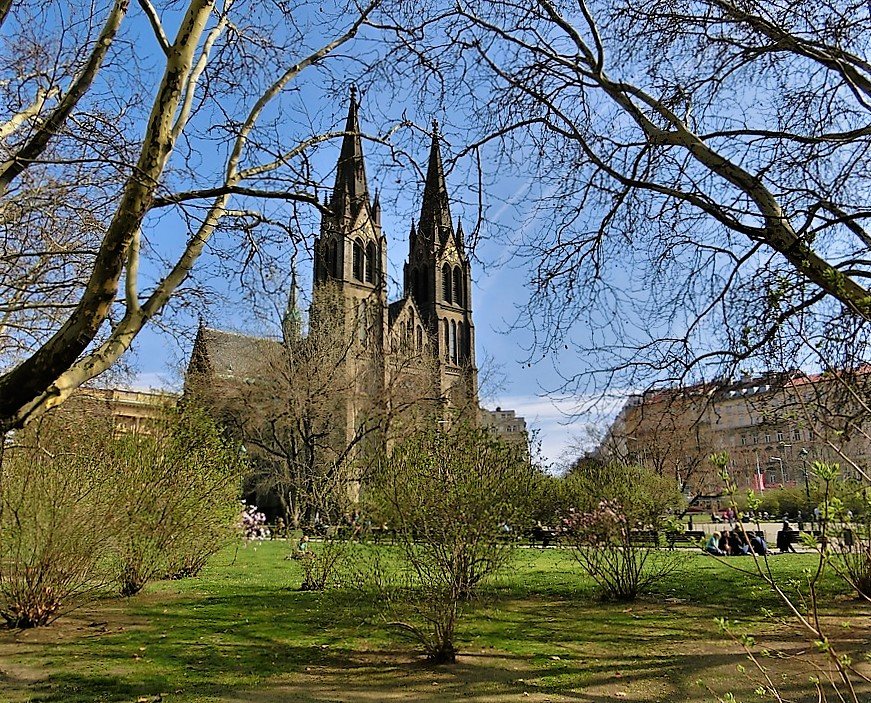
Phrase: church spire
{"type": "Point", "coordinates": [435, 213]}
{"type": "Point", "coordinates": [291, 325]}
{"type": "Point", "coordinates": [350, 191]}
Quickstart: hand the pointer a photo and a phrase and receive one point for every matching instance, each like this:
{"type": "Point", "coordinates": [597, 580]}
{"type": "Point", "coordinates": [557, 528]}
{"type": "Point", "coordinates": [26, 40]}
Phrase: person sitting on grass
{"type": "Point", "coordinates": [723, 544]}
{"type": "Point", "coordinates": [758, 544]}
{"type": "Point", "coordinates": [737, 544]}
{"type": "Point", "coordinates": [713, 545]}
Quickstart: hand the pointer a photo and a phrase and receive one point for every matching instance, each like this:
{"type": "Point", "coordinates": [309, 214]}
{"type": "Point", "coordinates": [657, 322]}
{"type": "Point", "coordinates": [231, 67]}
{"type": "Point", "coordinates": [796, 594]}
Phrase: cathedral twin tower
{"type": "Point", "coordinates": [434, 316]}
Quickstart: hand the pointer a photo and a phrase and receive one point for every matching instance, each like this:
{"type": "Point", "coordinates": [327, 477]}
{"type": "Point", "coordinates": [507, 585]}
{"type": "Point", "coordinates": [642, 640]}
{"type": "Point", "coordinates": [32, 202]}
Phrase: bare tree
{"type": "Point", "coordinates": [316, 410]}
{"type": "Point", "coordinates": [133, 137]}
{"type": "Point", "coordinates": [699, 171]}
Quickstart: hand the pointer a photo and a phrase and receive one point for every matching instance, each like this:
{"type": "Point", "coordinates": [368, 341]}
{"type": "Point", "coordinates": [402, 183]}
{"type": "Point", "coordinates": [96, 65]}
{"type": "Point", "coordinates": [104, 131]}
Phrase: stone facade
{"type": "Point", "coordinates": [772, 426]}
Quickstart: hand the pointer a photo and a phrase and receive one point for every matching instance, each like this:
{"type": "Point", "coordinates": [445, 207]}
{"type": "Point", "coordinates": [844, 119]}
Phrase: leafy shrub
{"type": "Point", "coordinates": [448, 495]}
{"type": "Point", "coordinates": [56, 520]}
{"type": "Point", "coordinates": [176, 497]}
{"type": "Point", "coordinates": [321, 564]}
{"type": "Point", "coordinates": [612, 534]}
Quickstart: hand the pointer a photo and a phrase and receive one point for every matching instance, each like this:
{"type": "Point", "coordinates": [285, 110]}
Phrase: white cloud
{"type": "Point", "coordinates": [565, 426]}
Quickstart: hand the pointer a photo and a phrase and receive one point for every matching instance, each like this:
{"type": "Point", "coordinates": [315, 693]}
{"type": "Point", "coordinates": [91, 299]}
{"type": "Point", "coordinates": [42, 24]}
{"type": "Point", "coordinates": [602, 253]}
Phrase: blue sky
{"type": "Point", "coordinates": [315, 103]}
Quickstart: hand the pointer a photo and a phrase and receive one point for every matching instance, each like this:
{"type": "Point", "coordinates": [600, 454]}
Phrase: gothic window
{"type": "Point", "coordinates": [446, 283]}
{"type": "Point", "coordinates": [321, 267]}
{"type": "Point", "coordinates": [358, 260]}
{"type": "Point", "coordinates": [458, 287]}
{"type": "Point", "coordinates": [330, 252]}
{"type": "Point", "coordinates": [453, 344]}
{"type": "Point", "coordinates": [461, 341]}
{"type": "Point", "coordinates": [412, 283]}
{"type": "Point", "coordinates": [371, 260]}
{"type": "Point", "coordinates": [447, 340]}
{"type": "Point", "coordinates": [361, 322]}
{"type": "Point", "coordinates": [419, 338]}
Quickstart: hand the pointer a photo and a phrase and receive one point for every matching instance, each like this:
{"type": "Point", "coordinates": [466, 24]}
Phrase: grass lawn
{"type": "Point", "coordinates": [243, 632]}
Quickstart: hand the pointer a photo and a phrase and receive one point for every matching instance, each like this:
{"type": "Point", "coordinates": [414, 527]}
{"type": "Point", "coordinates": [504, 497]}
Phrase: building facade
{"type": "Point", "coordinates": [772, 426]}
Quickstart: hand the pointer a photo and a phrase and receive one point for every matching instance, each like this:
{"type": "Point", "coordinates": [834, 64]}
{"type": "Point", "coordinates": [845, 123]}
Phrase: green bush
{"type": "Point", "coordinates": [56, 519]}
{"type": "Point", "coordinates": [176, 498]}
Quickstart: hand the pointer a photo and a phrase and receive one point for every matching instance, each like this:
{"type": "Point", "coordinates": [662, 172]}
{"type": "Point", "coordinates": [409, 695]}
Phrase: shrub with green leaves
{"type": "Point", "coordinates": [176, 498]}
{"type": "Point", "coordinates": [620, 510]}
{"type": "Point", "coordinates": [449, 496]}
{"type": "Point", "coordinates": [56, 519]}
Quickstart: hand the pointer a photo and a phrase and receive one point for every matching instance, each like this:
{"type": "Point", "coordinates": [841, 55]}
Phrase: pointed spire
{"type": "Point", "coordinates": [435, 213]}
{"type": "Point", "coordinates": [412, 237]}
{"type": "Point", "coordinates": [350, 191]}
{"type": "Point", "coordinates": [291, 324]}
{"type": "Point", "coordinates": [460, 235]}
{"type": "Point", "coordinates": [376, 208]}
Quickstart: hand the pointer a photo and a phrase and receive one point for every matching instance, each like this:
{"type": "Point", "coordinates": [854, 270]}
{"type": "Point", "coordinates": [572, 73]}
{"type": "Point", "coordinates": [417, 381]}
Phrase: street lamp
{"type": "Point", "coordinates": [803, 453]}
{"type": "Point", "coordinates": [782, 473]}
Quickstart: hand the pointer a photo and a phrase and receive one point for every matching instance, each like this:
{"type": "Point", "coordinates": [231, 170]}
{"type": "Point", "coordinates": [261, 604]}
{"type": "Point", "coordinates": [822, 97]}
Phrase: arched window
{"type": "Point", "coordinates": [412, 283]}
{"type": "Point", "coordinates": [423, 285]}
{"type": "Point", "coordinates": [358, 260]}
{"type": "Point", "coordinates": [330, 260]}
{"type": "Point", "coordinates": [461, 338]}
{"type": "Point", "coordinates": [453, 345]}
{"type": "Point", "coordinates": [361, 321]}
{"type": "Point", "coordinates": [371, 261]}
{"type": "Point", "coordinates": [446, 283]}
{"type": "Point", "coordinates": [321, 266]}
{"type": "Point", "coordinates": [419, 338]}
{"type": "Point", "coordinates": [447, 340]}
{"type": "Point", "coordinates": [458, 287]}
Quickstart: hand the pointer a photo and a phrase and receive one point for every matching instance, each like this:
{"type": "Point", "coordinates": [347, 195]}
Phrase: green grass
{"type": "Point", "coordinates": [242, 631]}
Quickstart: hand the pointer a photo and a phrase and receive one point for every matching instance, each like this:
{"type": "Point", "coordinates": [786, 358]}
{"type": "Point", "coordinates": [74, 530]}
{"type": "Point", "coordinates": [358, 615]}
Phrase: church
{"type": "Point", "coordinates": [387, 368]}
{"type": "Point", "coordinates": [434, 314]}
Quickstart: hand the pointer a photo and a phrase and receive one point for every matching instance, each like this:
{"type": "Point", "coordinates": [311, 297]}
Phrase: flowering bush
{"type": "Point", "coordinates": [606, 525]}
{"type": "Point", "coordinates": [253, 524]}
{"type": "Point", "coordinates": [614, 534]}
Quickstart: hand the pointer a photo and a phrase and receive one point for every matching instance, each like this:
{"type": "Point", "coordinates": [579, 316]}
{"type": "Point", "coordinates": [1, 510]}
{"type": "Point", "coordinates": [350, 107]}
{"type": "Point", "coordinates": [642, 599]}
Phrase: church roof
{"type": "Point", "coordinates": [233, 355]}
{"type": "Point", "coordinates": [394, 309]}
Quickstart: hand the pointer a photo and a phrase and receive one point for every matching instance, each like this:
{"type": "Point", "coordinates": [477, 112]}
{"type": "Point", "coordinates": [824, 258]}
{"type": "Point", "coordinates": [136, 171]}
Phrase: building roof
{"type": "Point", "coordinates": [231, 354]}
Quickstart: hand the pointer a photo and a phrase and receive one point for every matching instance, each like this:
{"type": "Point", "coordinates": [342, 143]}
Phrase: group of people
{"type": "Point", "coordinates": [736, 542]}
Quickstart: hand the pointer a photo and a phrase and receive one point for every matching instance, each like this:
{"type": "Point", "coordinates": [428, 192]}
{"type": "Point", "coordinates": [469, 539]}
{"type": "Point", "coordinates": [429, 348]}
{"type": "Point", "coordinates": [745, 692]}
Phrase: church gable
{"type": "Point", "coordinates": [406, 326]}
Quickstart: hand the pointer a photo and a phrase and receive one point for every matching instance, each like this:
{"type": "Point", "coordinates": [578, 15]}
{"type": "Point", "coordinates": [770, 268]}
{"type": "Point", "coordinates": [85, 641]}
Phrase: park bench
{"type": "Point", "coordinates": [545, 535]}
{"type": "Point", "coordinates": [380, 534]}
{"type": "Point", "coordinates": [690, 538]}
{"type": "Point", "coordinates": [644, 538]}
{"type": "Point", "coordinates": [794, 536]}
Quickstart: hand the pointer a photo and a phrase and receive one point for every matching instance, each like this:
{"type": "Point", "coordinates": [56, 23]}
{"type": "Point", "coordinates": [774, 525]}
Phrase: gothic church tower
{"type": "Point", "coordinates": [350, 260]}
{"type": "Point", "coordinates": [438, 278]}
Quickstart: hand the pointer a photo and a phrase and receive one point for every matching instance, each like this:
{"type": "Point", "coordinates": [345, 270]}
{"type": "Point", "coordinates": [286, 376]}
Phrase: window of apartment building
{"type": "Point", "coordinates": [756, 439]}
{"type": "Point", "coordinates": [780, 436]}
{"type": "Point", "coordinates": [743, 440]}
{"type": "Point", "coordinates": [796, 435]}
{"type": "Point", "coordinates": [768, 438]}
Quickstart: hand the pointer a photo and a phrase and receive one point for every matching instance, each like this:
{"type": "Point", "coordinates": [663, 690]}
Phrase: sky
{"type": "Point", "coordinates": [562, 426]}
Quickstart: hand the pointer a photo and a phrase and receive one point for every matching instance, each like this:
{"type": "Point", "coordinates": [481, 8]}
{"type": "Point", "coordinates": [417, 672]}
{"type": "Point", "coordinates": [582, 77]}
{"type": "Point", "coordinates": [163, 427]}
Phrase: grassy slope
{"type": "Point", "coordinates": [243, 632]}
